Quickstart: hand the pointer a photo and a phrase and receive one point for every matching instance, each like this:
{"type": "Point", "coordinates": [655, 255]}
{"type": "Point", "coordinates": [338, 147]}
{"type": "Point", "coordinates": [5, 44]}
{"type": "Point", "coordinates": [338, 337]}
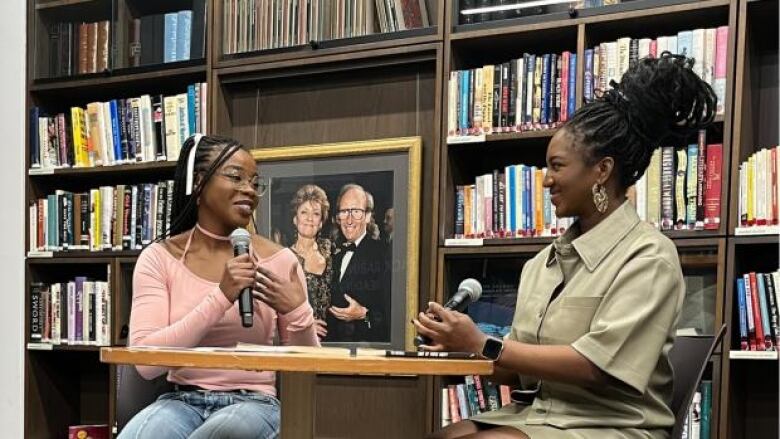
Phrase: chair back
{"type": "Point", "coordinates": [134, 392]}
{"type": "Point", "coordinates": [689, 357]}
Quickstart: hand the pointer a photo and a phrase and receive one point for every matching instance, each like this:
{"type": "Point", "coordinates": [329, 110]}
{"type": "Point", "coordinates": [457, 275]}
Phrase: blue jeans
{"type": "Point", "coordinates": [210, 414]}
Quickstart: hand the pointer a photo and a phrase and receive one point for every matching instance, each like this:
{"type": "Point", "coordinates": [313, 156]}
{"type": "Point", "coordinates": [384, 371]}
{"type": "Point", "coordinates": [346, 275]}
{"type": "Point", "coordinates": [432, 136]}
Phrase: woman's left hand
{"type": "Point", "coordinates": [283, 295]}
{"type": "Point", "coordinates": [456, 332]}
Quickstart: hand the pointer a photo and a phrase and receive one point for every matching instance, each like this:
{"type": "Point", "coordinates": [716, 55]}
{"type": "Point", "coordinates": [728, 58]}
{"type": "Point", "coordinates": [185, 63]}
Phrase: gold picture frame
{"type": "Point", "coordinates": [332, 162]}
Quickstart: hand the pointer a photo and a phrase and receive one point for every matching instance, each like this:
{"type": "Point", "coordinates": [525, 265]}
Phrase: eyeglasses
{"type": "Point", "coordinates": [257, 183]}
{"type": "Point", "coordinates": [357, 214]}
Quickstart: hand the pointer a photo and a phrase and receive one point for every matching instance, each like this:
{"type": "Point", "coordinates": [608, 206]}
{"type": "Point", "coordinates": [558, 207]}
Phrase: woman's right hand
{"type": "Point", "coordinates": [239, 274]}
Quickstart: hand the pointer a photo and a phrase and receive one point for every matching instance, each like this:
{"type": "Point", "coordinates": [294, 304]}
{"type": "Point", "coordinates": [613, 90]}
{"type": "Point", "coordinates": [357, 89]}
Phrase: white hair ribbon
{"type": "Point", "coordinates": [191, 163]}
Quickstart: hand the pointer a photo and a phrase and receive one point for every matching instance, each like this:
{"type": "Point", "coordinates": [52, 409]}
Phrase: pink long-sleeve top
{"type": "Point", "coordinates": [174, 307]}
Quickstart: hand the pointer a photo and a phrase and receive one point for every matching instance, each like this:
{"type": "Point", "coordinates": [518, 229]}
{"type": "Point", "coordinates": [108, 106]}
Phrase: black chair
{"type": "Point", "coordinates": [689, 357]}
{"type": "Point", "coordinates": [134, 393]}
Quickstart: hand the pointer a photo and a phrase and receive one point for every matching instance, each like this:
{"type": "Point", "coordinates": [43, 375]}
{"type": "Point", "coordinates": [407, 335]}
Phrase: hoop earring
{"type": "Point", "coordinates": [600, 198]}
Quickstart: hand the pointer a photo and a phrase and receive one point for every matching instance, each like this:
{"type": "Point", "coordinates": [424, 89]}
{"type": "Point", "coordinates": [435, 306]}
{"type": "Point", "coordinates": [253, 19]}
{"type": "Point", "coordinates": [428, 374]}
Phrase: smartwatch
{"type": "Point", "coordinates": [493, 348]}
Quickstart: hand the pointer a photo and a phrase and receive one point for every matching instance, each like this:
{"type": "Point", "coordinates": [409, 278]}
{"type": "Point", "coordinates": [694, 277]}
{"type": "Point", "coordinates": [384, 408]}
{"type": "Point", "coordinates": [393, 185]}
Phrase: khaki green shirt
{"type": "Point", "coordinates": [621, 293]}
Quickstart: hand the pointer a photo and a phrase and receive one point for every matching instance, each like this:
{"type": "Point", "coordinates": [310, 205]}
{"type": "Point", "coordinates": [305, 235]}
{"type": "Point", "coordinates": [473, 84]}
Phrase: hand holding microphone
{"type": "Point", "coordinates": [282, 293]}
{"type": "Point", "coordinates": [240, 273]}
{"type": "Point", "coordinates": [449, 329]}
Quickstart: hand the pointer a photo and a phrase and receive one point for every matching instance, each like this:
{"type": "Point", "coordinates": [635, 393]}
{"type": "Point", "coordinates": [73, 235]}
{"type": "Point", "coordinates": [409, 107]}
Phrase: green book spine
{"type": "Point", "coordinates": [706, 408]}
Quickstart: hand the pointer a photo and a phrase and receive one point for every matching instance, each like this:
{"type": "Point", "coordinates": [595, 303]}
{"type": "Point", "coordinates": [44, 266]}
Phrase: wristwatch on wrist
{"type": "Point", "coordinates": [493, 348]}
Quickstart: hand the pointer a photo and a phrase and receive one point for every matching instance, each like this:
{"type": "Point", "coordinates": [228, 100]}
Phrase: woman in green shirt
{"type": "Point", "coordinates": [597, 309]}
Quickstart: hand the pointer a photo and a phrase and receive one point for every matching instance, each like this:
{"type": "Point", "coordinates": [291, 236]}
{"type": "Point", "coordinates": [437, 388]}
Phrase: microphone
{"type": "Point", "coordinates": [469, 291]}
{"type": "Point", "coordinates": [240, 240]}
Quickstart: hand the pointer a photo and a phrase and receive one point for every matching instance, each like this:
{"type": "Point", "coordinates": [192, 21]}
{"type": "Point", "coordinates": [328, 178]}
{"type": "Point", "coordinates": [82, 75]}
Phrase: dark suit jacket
{"type": "Point", "coordinates": [367, 280]}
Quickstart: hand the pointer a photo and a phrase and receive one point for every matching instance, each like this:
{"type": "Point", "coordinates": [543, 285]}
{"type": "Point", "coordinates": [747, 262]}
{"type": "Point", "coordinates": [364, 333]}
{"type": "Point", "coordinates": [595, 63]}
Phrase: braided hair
{"type": "Point", "coordinates": [656, 100]}
{"type": "Point", "coordinates": [212, 152]}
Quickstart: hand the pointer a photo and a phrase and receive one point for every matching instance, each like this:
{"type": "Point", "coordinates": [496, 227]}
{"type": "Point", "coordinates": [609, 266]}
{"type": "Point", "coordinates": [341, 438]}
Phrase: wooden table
{"type": "Point", "coordinates": [299, 372]}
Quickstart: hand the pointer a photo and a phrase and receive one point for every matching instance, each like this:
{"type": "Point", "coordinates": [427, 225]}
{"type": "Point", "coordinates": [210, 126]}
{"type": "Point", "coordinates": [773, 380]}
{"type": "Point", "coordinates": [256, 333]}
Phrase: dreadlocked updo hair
{"type": "Point", "coordinates": [211, 153]}
{"type": "Point", "coordinates": [657, 99]}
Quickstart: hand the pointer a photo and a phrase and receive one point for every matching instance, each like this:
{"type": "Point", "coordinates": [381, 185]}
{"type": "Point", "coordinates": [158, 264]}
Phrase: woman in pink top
{"type": "Point", "coordinates": [184, 295]}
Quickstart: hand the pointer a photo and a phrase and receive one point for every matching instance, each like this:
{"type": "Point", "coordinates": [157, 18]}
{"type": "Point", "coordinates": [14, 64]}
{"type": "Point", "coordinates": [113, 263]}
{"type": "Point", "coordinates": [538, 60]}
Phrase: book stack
{"type": "Point", "coordinates": [758, 193]}
{"type": "Point", "coordinates": [476, 395]}
{"type": "Point", "coordinates": [124, 217]}
{"type": "Point", "coordinates": [77, 312]}
{"type": "Point", "coordinates": [78, 48]}
{"type": "Point", "coordinates": [140, 129]}
{"type": "Point", "coordinates": [171, 37]}
{"type": "Point", "coordinates": [509, 203]}
{"type": "Point", "coordinates": [252, 25]}
{"type": "Point", "coordinates": [758, 299]}
{"type": "Point", "coordinates": [708, 47]}
{"type": "Point", "coordinates": [530, 93]}
{"type": "Point", "coordinates": [681, 188]}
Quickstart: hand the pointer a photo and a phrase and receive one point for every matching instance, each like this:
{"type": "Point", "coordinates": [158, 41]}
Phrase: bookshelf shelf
{"type": "Point", "coordinates": [753, 355]}
{"type": "Point", "coordinates": [51, 4]}
{"type": "Point", "coordinates": [62, 347]}
{"type": "Point", "coordinates": [642, 10]}
{"type": "Point", "coordinates": [117, 170]}
{"type": "Point", "coordinates": [500, 137]}
{"type": "Point", "coordinates": [753, 240]}
{"type": "Point", "coordinates": [332, 48]}
{"type": "Point", "coordinates": [144, 76]}
{"type": "Point", "coordinates": [80, 257]}
{"type": "Point", "coordinates": [691, 234]}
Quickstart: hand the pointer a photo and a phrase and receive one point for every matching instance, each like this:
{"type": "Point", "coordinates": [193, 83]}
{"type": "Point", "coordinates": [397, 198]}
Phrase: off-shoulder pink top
{"type": "Point", "coordinates": [174, 307]}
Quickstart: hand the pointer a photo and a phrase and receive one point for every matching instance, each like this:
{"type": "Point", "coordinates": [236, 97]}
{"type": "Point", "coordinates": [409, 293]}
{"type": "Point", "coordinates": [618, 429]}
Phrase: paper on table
{"type": "Point", "coordinates": [312, 350]}
{"type": "Point", "coordinates": [249, 347]}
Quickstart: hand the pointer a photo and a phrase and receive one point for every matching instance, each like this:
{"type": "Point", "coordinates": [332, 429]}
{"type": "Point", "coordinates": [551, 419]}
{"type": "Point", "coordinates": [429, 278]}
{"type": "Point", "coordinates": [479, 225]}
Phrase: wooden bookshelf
{"type": "Point", "coordinates": [392, 85]}
{"type": "Point", "coordinates": [750, 387]}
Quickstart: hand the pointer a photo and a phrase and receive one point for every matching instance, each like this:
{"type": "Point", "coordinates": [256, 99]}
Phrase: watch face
{"type": "Point", "coordinates": [492, 349]}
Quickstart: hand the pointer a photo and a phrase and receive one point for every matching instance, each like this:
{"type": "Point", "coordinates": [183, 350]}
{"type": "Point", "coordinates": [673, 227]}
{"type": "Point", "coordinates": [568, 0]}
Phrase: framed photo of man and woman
{"type": "Point", "coordinates": [350, 213]}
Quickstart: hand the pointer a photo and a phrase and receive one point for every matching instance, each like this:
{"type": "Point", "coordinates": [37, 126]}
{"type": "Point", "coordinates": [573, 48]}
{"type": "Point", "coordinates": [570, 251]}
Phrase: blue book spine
{"type": "Point", "coordinates": [51, 207]}
{"type": "Point", "coordinates": [191, 108]}
{"type": "Point", "coordinates": [691, 188]}
{"type": "Point", "coordinates": [183, 35]}
{"type": "Point", "coordinates": [510, 197]}
{"type": "Point", "coordinates": [115, 131]}
{"type": "Point", "coordinates": [545, 101]}
{"type": "Point", "coordinates": [35, 150]}
{"type": "Point", "coordinates": [546, 207]}
{"type": "Point", "coordinates": [527, 197]}
{"type": "Point", "coordinates": [464, 99]}
{"type": "Point", "coordinates": [572, 84]}
{"type": "Point", "coordinates": [743, 331]}
{"type": "Point", "coordinates": [171, 32]}
{"type": "Point", "coordinates": [588, 75]}
{"type": "Point", "coordinates": [684, 43]}
{"type": "Point", "coordinates": [762, 300]}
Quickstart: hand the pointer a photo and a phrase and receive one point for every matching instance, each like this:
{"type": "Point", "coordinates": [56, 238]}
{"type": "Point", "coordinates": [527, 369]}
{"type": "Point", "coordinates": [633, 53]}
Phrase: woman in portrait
{"type": "Point", "coordinates": [310, 208]}
{"type": "Point", "coordinates": [596, 311]}
{"type": "Point", "coordinates": [185, 288]}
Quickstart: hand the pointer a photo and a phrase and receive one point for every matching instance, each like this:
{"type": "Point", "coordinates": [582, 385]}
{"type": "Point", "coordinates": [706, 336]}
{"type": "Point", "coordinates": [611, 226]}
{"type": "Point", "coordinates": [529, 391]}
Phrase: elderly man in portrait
{"type": "Point", "coordinates": [360, 300]}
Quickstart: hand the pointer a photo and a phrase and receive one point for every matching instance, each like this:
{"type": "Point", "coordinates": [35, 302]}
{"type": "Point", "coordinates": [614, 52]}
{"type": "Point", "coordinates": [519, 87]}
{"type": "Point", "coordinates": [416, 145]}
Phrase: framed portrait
{"type": "Point", "coordinates": [350, 213]}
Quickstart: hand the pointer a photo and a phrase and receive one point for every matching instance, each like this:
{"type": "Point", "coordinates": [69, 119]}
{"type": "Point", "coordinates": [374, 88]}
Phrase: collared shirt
{"type": "Point", "coordinates": [620, 293]}
{"type": "Point", "coordinates": [348, 256]}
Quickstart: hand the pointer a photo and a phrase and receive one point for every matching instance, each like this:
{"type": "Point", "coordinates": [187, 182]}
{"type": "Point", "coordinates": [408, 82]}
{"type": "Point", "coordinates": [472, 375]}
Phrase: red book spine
{"type": "Point", "coordinates": [41, 211]}
{"type": "Point", "coordinates": [565, 86]}
{"type": "Point", "coordinates": [712, 186]}
{"type": "Point", "coordinates": [480, 393]}
{"type": "Point", "coordinates": [454, 409]}
{"type": "Point", "coordinates": [654, 48]}
{"type": "Point", "coordinates": [756, 312]}
{"type": "Point", "coordinates": [506, 398]}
